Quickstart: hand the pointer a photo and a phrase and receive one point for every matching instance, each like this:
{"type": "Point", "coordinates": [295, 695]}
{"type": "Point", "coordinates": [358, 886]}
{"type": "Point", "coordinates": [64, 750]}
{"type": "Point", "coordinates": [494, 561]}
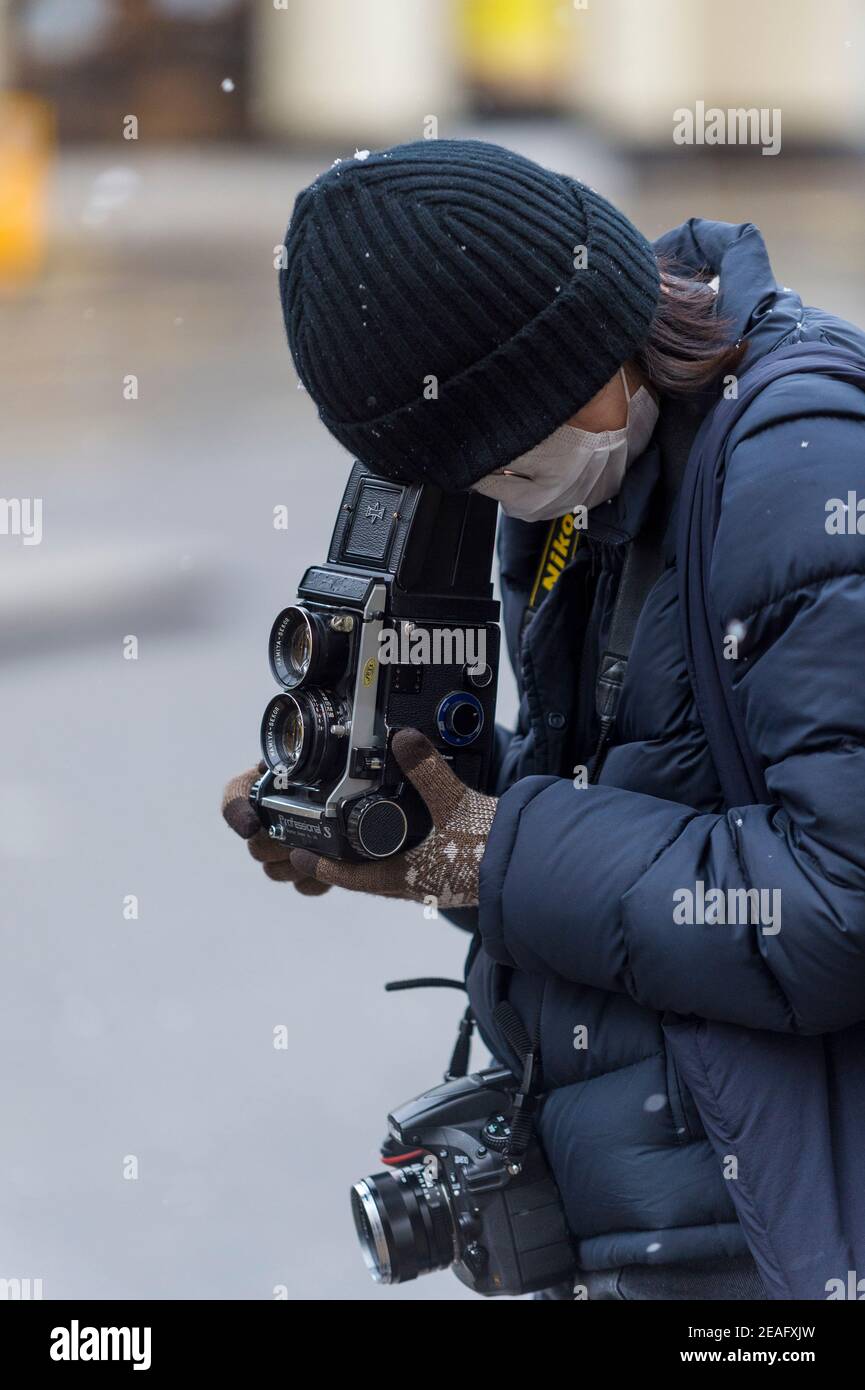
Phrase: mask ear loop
{"type": "Point", "coordinates": [628, 396]}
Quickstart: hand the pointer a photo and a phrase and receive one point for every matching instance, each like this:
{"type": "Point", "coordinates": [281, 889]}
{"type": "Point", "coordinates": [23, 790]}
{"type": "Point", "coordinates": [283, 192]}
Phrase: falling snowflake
{"type": "Point", "coordinates": [227, 84]}
{"type": "Point", "coordinates": [111, 190]}
{"type": "Point", "coordinates": [656, 1102]}
{"type": "Point", "coordinates": [804, 443]}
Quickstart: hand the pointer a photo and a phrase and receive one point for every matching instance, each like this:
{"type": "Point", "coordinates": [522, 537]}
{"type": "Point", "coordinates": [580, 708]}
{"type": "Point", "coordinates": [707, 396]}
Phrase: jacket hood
{"type": "Point", "coordinates": [750, 299]}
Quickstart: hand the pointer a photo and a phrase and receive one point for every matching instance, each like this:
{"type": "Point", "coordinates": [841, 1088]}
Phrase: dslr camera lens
{"type": "Point", "coordinates": [404, 1224]}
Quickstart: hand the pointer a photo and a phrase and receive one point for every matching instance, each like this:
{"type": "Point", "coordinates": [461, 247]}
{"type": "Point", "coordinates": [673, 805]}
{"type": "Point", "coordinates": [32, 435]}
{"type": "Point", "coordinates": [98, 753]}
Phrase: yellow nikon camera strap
{"type": "Point", "coordinates": [559, 548]}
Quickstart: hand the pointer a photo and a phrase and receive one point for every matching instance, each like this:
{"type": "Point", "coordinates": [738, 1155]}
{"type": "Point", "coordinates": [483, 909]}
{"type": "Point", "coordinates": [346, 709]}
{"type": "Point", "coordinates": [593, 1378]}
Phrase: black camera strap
{"type": "Point", "coordinates": [516, 1034]}
{"type": "Point", "coordinates": [459, 1063]}
{"type": "Point", "coordinates": [644, 563]}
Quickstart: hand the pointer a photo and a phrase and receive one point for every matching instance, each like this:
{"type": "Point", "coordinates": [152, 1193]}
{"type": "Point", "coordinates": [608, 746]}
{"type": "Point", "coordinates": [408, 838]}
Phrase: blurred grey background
{"type": "Point", "coordinates": [153, 257]}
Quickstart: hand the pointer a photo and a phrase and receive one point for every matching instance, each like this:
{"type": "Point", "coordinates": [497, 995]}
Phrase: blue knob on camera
{"type": "Point", "coordinates": [459, 718]}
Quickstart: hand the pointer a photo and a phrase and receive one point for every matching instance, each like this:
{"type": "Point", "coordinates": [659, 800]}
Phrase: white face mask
{"type": "Point", "coordinates": [573, 467]}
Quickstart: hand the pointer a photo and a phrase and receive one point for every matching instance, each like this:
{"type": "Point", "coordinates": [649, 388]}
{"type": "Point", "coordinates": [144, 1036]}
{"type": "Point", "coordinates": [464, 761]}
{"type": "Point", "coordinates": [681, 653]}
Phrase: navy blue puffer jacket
{"type": "Point", "coordinates": [576, 918]}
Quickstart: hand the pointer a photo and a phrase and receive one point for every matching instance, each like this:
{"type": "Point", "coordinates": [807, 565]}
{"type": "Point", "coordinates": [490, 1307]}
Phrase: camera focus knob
{"type": "Point", "coordinates": [376, 826]}
{"type": "Point", "coordinates": [459, 718]}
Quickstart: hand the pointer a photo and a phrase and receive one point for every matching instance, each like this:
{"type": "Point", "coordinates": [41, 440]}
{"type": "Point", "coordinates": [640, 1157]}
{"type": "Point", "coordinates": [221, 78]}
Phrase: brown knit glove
{"type": "Point", "coordinates": [446, 865]}
{"type": "Point", "coordinates": [238, 812]}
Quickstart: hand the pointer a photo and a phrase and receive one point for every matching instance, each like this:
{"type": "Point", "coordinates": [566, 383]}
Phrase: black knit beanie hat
{"type": "Point", "coordinates": [449, 304]}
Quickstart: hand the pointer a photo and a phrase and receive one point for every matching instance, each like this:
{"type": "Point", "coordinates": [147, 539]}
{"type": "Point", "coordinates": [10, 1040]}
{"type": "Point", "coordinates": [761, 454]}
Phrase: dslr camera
{"type": "Point", "coordinates": [464, 1189]}
{"type": "Point", "coordinates": [397, 629]}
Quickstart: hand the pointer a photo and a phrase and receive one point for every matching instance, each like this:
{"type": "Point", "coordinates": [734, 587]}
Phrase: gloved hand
{"type": "Point", "coordinates": [239, 814]}
{"type": "Point", "coordinates": [446, 865]}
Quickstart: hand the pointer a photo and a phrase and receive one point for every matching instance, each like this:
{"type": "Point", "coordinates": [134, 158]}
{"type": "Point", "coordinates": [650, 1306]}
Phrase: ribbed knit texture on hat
{"type": "Point", "coordinates": [434, 311]}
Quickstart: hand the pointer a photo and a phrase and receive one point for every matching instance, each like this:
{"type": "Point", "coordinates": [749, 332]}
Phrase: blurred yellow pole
{"type": "Point", "coordinates": [515, 49]}
{"type": "Point", "coordinates": [26, 149]}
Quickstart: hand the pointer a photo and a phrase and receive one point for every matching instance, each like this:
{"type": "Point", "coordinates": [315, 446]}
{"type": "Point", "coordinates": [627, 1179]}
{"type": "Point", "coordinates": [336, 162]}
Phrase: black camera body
{"type": "Point", "coordinates": [397, 629]}
{"type": "Point", "coordinates": [455, 1195]}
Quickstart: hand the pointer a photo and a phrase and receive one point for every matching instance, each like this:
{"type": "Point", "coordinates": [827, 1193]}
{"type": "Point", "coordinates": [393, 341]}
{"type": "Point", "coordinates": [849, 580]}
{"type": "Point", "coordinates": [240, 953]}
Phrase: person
{"type": "Point", "coordinates": [462, 316]}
